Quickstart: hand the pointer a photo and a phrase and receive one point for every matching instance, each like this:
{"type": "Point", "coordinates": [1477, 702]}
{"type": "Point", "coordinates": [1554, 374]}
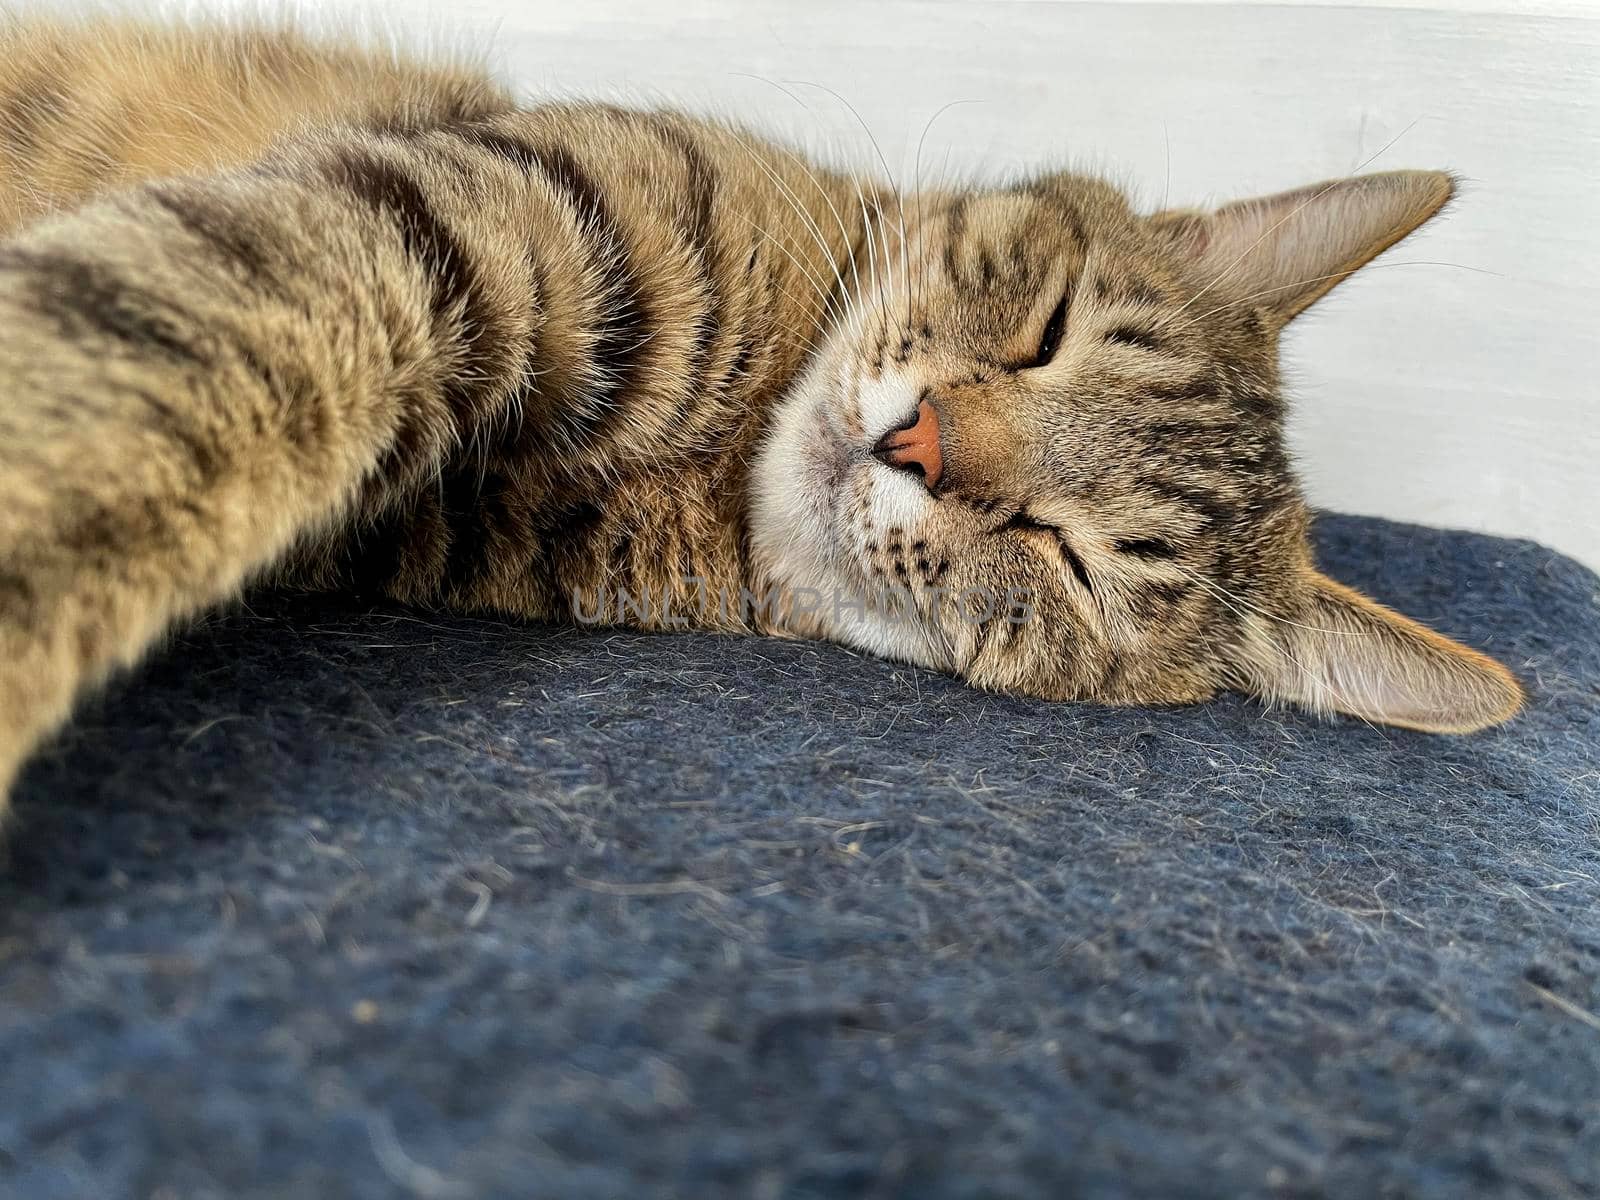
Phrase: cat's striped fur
{"type": "Point", "coordinates": [274, 309]}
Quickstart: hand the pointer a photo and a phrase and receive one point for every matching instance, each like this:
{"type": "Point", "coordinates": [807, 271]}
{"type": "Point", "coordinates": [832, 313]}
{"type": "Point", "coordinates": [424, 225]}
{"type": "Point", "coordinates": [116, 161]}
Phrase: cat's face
{"type": "Point", "coordinates": [1044, 451]}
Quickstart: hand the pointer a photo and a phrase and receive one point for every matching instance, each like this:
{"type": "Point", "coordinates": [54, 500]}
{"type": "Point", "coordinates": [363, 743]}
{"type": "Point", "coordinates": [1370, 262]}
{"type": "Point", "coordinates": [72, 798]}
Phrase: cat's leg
{"type": "Point", "coordinates": [197, 373]}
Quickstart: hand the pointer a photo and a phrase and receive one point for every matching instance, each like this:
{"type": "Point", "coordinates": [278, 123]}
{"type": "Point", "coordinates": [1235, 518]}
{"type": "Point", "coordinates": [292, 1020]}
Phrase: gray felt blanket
{"type": "Point", "coordinates": [328, 902]}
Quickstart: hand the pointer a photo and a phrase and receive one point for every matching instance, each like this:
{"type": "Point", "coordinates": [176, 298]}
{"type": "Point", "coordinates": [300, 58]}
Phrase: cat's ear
{"type": "Point", "coordinates": [1341, 652]}
{"type": "Point", "coordinates": [1285, 251]}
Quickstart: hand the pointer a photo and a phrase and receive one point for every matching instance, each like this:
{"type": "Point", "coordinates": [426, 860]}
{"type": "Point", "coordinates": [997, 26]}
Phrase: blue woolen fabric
{"type": "Point", "coordinates": [328, 902]}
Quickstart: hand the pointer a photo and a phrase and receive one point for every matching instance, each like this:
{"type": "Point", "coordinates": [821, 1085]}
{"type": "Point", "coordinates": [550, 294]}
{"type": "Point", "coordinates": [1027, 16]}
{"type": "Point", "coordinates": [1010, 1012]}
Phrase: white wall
{"type": "Point", "coordinates": [1460, 394]}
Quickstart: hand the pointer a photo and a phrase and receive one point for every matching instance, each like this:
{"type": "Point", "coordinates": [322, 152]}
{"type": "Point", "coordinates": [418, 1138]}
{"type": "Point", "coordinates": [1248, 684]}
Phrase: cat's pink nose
{"type": "Point", "coordinates": [915, 448]}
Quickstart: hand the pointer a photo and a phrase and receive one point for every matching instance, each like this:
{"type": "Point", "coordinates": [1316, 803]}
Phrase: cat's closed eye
{"type": "Point", "coordinates": [1145, 547]}
{"type": "Point", "coordinates": [1020, 520]}
{"type": "Point", "coordinates": [1050, 342]}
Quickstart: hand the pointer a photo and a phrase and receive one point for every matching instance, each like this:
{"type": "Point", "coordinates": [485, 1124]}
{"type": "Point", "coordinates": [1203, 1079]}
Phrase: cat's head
{"type": "Point", "coordinates": [1044, 450]}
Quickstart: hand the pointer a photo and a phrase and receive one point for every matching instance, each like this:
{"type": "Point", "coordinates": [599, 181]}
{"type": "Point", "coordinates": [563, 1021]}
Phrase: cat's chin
{"type": "Point", "coordinates": [842, 617]}
{"type": "Point", "coordinates": [796, 481]}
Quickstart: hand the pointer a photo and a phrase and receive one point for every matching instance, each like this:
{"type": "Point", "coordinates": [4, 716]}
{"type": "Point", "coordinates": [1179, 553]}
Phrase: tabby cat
{"type": "Point", "coordinates": [272, 310]}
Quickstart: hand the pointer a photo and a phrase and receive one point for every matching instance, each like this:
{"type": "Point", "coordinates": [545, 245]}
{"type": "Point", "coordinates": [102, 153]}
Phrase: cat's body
{"type": "Point", "coordinates": [374, 326]}
{"type": "Point", "coordinates": [602, 339]}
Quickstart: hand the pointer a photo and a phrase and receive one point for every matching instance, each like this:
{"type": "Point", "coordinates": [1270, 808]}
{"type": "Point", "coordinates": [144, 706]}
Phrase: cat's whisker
{"type": "Point", "coordinates": [851, 310]}
{"type": "Point", "coordinates": [1166, 186]}
{"type": "Point", "coordinates": [808, 222]}
{"type": "Point", "coordinates": [876, 195]}
{"type": "Point", "coordinates": [818, 284]}
{"type": "Point", "coordinates": [875, 215]}
{"type": "Point", "coordinates": [851, 295]}
{"type": "Point", "coordinates": [872, 241]}
{"type": "Point", "coordinates": [815, 280]}
{"type": "Point", "coordinates": [821, 191]}
{"type": "Point", "coordinates": [916, 175]}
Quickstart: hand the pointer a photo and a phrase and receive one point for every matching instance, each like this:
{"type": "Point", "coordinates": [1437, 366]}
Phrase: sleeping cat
{"type": "Point", "coordinates": [278, 311]}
